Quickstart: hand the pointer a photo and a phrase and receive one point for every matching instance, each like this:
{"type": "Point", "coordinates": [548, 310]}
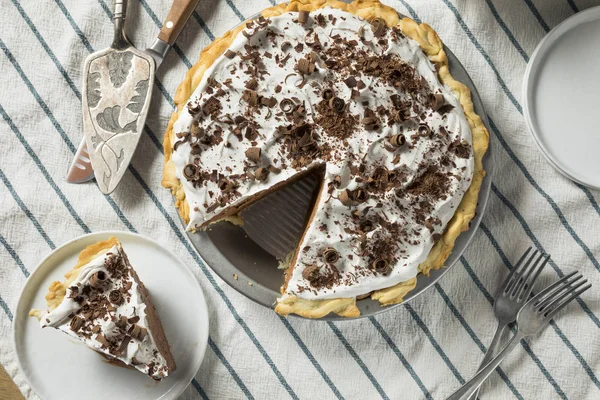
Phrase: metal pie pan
{"type": "Point", "coordinates": [251, 269]}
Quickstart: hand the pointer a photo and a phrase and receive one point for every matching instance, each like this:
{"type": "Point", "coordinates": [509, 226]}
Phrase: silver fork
{"type": "Point", "coordinates": [511, 297]}
{"type": "Point", "coordinates": [533, 317]}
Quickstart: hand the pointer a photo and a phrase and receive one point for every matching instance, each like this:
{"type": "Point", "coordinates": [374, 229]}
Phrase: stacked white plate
{"type": "Point", "coordinates": [561, 93]}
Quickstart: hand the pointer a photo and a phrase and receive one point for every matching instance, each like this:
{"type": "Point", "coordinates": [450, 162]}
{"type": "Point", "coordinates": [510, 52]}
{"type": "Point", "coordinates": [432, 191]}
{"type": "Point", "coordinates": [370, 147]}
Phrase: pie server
{"type": "Point", "coordinates": [117, 89]}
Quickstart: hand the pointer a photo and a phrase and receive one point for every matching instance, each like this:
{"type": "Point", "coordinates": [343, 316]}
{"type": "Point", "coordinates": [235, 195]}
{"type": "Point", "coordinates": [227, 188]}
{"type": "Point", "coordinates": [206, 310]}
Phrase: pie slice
{"type": "Point", "coordinates": [103, 303]}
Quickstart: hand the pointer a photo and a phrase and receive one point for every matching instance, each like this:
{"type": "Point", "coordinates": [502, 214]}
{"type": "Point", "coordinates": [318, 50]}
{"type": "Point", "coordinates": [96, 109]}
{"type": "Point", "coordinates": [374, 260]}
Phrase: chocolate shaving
{"type": "Point", "coordinates": [197, 131]}
{"type": "Point", "coordinates": [122, 322]}
{"type": "Point", "coordinates": [311, 273]}
{"type": "Point", "coordinates": [87, 312]}
{"type": "Point", "coordinates": [230, 54]}
{"type": "Point", "coordinates": [353, 197]}
{"type": "Point", "coordinates": [251, 84]}
{"type": "Point", "coordinates": [273, 169]}
{"type": "Point", "coordinates": [305, 67]}
{"type": "Point", "coordinates": [250, 97]}
{"type": "Point", "coordinates": [351, 82]}
{"type": "Point", "coordinates": [102, 340]}
{"type": "Point", "coordinates": [123, 346]}
{"type": "Point", "coordinates": [137, 332]}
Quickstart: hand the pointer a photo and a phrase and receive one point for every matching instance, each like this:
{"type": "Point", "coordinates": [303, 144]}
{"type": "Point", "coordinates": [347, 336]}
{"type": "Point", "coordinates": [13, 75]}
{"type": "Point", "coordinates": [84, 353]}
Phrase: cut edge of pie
{"type": "Point", "coordinates": [432, 46]}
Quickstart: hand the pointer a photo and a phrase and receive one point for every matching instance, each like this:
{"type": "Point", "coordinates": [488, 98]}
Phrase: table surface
{"type": "Point", "coordinates": [8, 390]}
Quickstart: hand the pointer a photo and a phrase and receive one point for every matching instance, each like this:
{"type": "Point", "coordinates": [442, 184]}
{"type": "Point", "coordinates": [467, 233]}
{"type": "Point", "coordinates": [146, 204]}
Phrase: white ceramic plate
{"type": "Point", "coordinates": [561, 88]}
{"type": "Point", "coordinates": [59, 367]}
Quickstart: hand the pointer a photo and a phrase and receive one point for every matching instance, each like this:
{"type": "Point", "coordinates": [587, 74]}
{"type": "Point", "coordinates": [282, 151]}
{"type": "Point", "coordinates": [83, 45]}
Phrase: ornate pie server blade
{"type": "Point", "coordinates": [81, 169]}
{"type": "Point", "coordinates": [116, 98]}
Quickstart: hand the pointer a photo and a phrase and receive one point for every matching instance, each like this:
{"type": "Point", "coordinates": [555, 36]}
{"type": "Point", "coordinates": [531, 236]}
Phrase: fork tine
{"type": "Point", "coordinates": [508, 282]}
{"type": "Point", "coordinates": [550, 314]}
{"type": "Point", "coordinates": [520, 280]}
{"type": "Point", "coordinates": [542, 295]}
{"type": "Point", "coordinates": [532, 276]}
{"type": "Point", "coordinates": [558, 296]}
{"type": "Point", "coordinates": [566, 284]}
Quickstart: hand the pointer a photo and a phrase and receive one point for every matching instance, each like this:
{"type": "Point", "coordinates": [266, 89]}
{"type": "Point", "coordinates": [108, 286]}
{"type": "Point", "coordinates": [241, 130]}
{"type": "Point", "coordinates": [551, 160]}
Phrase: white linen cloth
{"type": "Point", "coordinates": [425, 349]}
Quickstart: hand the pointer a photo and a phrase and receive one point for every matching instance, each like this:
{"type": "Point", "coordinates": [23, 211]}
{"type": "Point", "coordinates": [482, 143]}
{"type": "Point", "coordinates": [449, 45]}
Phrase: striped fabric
{"type": "Point", "coordinates": [424, 349]}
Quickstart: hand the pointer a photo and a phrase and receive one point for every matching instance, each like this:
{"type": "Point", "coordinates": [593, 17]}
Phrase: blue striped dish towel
{"type": "Point", "coordinates": [424, 349]}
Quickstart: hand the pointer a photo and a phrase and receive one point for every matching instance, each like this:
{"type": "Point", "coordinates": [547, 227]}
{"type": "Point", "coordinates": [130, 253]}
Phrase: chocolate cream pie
{"type": "Point", "coordinates": [361, 98]}
{"type": "Point", "coordinates": [103, 303]}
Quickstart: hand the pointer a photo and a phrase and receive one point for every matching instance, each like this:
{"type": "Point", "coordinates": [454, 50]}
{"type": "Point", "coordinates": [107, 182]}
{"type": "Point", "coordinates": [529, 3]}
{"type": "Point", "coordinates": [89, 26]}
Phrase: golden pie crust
{"type": "Point", "coordinates": [432, 46]}
{"type": "Point", "coordinates": [57, 290]}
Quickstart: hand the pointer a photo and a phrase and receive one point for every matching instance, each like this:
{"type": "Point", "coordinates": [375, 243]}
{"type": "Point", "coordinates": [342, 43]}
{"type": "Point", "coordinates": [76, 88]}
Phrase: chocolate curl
{"type": "Point", "coordinates": [424, 130]}
{"type": "Point", "coordinates": [344, 197]}
{"type": "Point", "coordinates": [381, 266]}
{"type": "Point", "coordinates": [436, 101]}
{"type": "Point", "coordinates": [379, 26]}
{"type": "Point", "coordinates": [305, 67]}
{"type": "Point", "coordinates": [190, 171]}
{"type": "Point", "coordinates": [97, 279]}
{"type": "Point", "coordinates": [230, 54]}
{"type": "Point", "coordinates": [138, 332]}
{"type": "Point", "coordinates": [359, 195]}
{"type": "Point", "coordinates": [327, 94]}
{"type": "Point", "coordinates": [337, 104]}
{"type": "Point", "coordinates": [366, 226]}
{"type": "Point", "coordinates": [76, 323]}
{"type": "Point", "coordinates": [398, 140]}
{"type": "Point", "coordinates": [194, 108]}
{"type": "Point", "coordinates": [253, 154]}
{"type": "Point", "coordinates": [287, 106]}
{"type": "Point", "coordinates": [261, 174]}
{"type": "Point", "coordinates": [115, 296]}
{"type": "Point", "coordinates": [302, 17]}
{"type": "Point", "coordinates": [330, 255]}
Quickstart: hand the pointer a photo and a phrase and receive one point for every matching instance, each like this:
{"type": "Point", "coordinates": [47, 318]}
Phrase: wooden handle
{"type": "Point", "coordinates": [178, 15]}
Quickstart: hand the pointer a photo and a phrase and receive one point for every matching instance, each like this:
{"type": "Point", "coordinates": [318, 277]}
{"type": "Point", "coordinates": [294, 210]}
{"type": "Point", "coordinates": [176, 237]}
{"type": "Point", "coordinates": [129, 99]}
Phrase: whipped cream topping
{"type": "Point", "coordinates": [383, 202]}
{"type": "Point", "coordinates": [101, 327]}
